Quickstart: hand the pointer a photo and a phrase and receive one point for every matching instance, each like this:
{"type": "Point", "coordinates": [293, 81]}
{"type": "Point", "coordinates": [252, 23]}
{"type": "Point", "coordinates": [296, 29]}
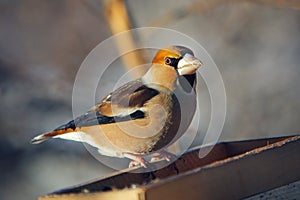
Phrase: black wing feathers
{"type": "Point", "coordinates": [132, 94]}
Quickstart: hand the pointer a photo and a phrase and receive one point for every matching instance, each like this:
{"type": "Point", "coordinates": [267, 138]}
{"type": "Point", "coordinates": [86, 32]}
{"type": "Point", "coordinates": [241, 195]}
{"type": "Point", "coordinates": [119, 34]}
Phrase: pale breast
{"type": "Point", "coordinates": [135, 136]}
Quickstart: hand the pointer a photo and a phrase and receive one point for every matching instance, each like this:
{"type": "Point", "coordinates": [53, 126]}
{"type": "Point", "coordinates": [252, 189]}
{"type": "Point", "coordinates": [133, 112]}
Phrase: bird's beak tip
{"type": "Point", "coordinates": [188, 65]}
{"type": "Point", "coordinates": [197, 63]}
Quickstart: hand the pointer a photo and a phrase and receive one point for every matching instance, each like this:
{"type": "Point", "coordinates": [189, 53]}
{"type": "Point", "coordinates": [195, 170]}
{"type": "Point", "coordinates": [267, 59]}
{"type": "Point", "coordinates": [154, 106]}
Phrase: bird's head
{"type": "Point", "coordinates": [168, 64]}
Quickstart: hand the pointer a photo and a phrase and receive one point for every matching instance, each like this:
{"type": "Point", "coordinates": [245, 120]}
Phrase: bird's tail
{"type": "Point", "coordinates": [39, 139]}
{"type": "Point", "coordinates": [43, 137]}
{"type": "Point", "coordinates": [58, 132]}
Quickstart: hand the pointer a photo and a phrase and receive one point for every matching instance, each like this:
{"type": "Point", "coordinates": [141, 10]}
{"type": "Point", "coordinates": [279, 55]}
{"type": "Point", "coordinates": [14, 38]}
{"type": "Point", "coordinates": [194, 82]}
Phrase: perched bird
{"type": "Point", "coordinates": [143, 116]}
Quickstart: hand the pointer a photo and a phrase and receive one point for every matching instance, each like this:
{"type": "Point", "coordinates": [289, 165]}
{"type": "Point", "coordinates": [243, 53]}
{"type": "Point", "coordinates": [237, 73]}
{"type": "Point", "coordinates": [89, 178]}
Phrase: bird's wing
{"type": "Point", "coordinates": [125, 103]}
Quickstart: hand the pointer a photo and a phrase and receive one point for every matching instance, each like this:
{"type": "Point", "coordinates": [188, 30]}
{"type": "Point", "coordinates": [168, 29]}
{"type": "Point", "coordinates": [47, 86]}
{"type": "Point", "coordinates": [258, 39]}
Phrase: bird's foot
{"type": "Point", "coordinates": [163, 155]}
{"type": "Point", "coordinates": [136, 160]}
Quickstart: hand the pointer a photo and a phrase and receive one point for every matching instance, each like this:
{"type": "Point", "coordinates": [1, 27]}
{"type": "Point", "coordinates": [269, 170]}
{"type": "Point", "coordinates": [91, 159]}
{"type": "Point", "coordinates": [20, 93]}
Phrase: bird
{"type": "Point", "coordinates": [143, 116]}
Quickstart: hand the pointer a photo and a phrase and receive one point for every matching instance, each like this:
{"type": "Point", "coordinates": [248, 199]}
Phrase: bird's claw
{"type": "Point", "coordinates": [162, 155]}
{"type": "Point", "coordinates": [136, 160]}
{"type": "Point", "coordinates": [134, 163]}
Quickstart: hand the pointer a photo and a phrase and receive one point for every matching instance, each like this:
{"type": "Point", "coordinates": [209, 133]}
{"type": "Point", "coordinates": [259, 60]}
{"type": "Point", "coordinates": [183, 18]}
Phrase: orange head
{"type": "Point", "coordinates": [168, 64]}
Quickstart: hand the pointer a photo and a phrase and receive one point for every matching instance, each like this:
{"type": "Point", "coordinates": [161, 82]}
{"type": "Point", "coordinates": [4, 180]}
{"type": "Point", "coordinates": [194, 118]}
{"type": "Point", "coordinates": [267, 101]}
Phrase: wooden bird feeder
{"type": "Point", "coordinates": [232, 170]}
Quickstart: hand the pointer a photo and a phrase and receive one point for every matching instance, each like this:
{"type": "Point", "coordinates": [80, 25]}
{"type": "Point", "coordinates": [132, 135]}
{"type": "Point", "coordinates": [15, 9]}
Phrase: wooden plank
{"type": "Point", "coordinates": [126, 194]}
{"type": "Point", "coordinates": [234, 178]}
{"type": "Point", "coordinates": [290, 191]}
{"type": "Point", "coordinates": [232, 170]}
{"type": "Point", "coordinates": [126, 178]}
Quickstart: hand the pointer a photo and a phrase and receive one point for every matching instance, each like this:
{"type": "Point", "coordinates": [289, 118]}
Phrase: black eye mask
{"type": "Point", "coordinates": [172, 61]}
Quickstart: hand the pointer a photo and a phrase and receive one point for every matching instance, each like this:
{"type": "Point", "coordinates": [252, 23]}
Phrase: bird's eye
{"type": "Point", "coordinates": [168, 61]}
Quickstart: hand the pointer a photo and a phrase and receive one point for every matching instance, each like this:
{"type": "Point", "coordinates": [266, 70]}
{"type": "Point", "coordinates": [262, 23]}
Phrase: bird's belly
{"type": "Point", "coordinates": [136, 136]}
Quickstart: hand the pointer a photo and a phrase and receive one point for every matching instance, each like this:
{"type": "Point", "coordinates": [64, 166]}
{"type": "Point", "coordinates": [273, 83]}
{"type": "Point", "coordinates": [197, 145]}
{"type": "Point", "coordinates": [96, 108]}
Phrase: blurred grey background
{"type": "Point", "coordinates": [43, 43]}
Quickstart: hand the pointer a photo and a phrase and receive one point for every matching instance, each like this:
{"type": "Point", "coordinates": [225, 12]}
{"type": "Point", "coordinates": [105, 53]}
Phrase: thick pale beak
{"type": "Point", "coordinates": [188, 65]}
